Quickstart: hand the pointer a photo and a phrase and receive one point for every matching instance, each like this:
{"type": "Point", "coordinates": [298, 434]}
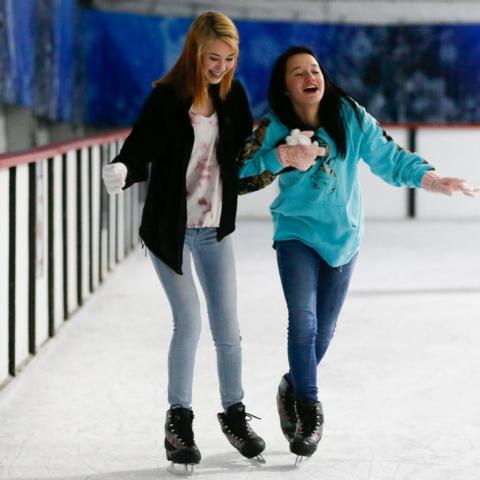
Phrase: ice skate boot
{"type": "Point", "coordinates": [179, 443]}
{"type": "Point", "coordinates": [235, 426]}
{"type": "Point", "coordinates": [309, 429]}
{"type": "Point", "coordinates": [286, 408]}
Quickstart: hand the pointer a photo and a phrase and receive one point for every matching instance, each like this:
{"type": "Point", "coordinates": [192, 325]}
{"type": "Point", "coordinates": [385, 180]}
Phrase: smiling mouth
{"type": "Point", "coordinates": [216, 75]}
{"type": "Point", "coordinates": [311, 89]}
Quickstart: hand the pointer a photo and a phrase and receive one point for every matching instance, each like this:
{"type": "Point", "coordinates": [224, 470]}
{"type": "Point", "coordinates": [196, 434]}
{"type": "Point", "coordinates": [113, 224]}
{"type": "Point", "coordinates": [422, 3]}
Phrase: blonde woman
{"type": "Point", "coordinates": [189, 132]}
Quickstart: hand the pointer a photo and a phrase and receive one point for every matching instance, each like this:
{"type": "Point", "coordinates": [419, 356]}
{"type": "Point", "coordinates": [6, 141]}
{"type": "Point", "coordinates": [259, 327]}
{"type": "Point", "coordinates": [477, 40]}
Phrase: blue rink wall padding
{"type": "Point", "coordinates": [18, 36]}
{"type": "Point", "coordinates": [41, 59]}
{"type": "Point", "coordinates": [423, 73]}
{"type": "Point", "coordinates": [84, 65]}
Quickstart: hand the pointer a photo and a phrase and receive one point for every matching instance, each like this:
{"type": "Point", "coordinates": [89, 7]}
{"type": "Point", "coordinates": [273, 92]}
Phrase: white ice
{"type": "Point", "coordinates": [400, 383]}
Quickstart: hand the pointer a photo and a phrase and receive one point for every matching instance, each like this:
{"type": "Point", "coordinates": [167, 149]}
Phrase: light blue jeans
{"type": "Point", "coordinates": [215, 268]}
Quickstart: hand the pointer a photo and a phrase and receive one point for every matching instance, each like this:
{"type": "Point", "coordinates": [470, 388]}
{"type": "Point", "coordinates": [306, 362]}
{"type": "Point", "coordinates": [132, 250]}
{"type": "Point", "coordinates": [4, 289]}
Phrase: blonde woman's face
{"type": "Point", "coordinates": [218, 58]}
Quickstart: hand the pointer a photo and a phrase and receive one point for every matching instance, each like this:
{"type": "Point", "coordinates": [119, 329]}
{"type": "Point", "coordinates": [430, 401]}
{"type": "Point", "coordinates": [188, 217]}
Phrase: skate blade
{"type": "Point", "coordinates": [258, 459]}
{"type": "Point", "coordinates": [183, 469]}
{"type": "Point", "coordinates": [300, 460]}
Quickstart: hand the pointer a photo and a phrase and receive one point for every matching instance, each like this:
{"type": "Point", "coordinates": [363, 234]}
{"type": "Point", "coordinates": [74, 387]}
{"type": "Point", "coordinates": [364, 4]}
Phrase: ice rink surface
{"type": "Point", "coordinates": [400, 383]}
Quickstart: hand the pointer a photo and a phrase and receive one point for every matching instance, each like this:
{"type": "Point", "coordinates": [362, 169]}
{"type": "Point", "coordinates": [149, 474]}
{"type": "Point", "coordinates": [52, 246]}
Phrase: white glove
{"type": "Point", "coordinates": [297, 137]}
{"type": "Point", "coordinates": [114, 176]}
{"type": "Point", "coordinates": [432, 182]}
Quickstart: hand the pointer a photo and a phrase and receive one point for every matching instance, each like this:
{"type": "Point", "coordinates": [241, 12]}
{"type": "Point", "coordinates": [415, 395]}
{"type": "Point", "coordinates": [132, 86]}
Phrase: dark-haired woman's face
{"type": "Point", "coordinates": [304, 80]}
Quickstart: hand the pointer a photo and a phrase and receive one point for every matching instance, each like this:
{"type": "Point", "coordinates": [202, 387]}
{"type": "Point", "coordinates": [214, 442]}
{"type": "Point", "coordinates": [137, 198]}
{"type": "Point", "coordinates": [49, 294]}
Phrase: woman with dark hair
{"type": "Point", "coordinates": [318, 214]}
{"type": "Point", "coordinates": [189, 132]}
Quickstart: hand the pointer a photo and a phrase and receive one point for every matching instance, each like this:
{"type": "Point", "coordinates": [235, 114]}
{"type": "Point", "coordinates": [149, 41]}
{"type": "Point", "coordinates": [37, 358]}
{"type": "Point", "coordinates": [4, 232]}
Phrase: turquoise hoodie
{"type": "Point", "coordinates": [323, 206]}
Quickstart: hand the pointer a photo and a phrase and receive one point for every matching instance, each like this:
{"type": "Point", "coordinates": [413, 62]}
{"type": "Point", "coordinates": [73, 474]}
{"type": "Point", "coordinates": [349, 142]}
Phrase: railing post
{"type": "Point", "coordinates": [411, 192]}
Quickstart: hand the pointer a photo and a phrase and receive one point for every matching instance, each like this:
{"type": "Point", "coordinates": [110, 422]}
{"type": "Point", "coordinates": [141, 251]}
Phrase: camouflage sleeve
{"type": "Point", "coordinates": [251, 146]}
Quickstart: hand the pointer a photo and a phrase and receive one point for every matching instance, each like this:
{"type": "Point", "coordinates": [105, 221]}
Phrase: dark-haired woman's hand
{"type": "Point", "coordinates": [301, 157]}
{"type": "Point", "coordinates": [433, 182]}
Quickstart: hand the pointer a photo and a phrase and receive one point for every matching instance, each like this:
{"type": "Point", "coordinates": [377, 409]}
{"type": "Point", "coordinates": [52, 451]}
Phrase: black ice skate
{"type": "Point", "coordinates": [309, 429]}
{"type": "Point", "coordinates": [286, 408]}
{"type": "Point", "coordinates": [235, 426]}
{"type": "Point", "coordinates": [179, 443]}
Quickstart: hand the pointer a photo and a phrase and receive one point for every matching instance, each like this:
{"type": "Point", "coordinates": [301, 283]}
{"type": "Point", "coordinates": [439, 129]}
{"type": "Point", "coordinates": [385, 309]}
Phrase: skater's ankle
{"type": "Point", "coordinates": [177, 406]}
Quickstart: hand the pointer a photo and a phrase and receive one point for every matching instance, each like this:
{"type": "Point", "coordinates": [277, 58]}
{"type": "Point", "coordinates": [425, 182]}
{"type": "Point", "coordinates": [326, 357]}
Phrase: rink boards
{"type": "Point", "coordinates": [60, 235]}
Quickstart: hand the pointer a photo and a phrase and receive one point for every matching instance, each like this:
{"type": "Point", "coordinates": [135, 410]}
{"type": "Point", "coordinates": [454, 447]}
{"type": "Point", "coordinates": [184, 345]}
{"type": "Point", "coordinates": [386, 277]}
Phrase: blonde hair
{"type": "Point", "coordinates": [187, 75]}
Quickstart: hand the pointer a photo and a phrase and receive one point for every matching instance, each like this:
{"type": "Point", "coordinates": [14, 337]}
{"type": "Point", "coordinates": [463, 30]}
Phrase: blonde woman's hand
{"type": "Point", "coordinates": [114, 176]}
{"type": "Point", "coordinates": [297, 137]}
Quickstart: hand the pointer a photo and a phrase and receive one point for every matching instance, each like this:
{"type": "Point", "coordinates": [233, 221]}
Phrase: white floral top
{"type": "Point", "coordinates": [204, 186]}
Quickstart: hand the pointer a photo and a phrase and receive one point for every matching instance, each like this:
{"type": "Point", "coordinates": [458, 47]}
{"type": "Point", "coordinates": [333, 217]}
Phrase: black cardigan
{"type": "Point", "coordinates": [163, 137]}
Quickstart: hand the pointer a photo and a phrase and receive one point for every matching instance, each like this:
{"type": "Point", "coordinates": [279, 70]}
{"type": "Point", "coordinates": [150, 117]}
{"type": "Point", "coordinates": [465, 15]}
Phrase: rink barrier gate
{"type": "Point", "coordinates": [60, 236]}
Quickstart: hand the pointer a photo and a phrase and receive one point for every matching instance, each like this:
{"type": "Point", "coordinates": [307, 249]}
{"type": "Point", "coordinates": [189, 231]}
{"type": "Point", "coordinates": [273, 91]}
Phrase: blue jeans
{"type": "Point", "coordinates": [315, 293]}
{"type": "Point", "coordinates": [215, 268]}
